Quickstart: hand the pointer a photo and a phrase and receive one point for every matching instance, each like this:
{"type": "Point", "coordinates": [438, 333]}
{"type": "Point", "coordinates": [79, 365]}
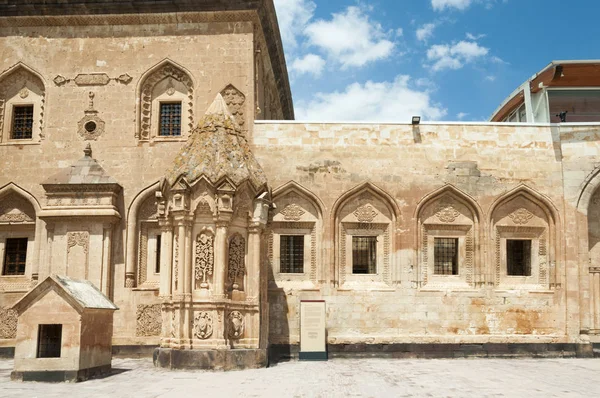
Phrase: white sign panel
{"type": "Point", "coordinates": [312, 330]}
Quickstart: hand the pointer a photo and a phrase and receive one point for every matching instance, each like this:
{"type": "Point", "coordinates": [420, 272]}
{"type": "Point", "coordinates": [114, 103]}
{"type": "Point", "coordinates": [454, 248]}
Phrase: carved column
{"type": "Point", "coordinates": [105, 274]}
{"type": "Point", "coordinates": [220, 258]}
{"type": "Point", "coordinates": [254, 236]}
{"type": "Point", "coordinates": [166, 258]}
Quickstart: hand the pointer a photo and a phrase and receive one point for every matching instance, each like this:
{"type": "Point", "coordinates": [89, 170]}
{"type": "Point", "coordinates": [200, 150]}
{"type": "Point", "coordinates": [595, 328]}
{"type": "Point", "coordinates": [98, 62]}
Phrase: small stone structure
{"type": "Point", "coordinates": [64, 332]}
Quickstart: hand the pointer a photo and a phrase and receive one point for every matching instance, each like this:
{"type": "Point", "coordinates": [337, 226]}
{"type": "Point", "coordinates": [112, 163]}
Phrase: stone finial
{"type": "Point", "coordinates": [88, 151]}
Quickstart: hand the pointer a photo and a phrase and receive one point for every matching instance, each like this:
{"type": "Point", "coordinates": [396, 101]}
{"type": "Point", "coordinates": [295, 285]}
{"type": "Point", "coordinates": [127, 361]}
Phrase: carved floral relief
{"type": "Point", "coordinates": [235, 326]}
{"type": "Point", "coordinates": [521, 216]}
{"type": "Point", "coordinates": [203, 325]}
{"type": "Point", "coordinates": [149, 320]}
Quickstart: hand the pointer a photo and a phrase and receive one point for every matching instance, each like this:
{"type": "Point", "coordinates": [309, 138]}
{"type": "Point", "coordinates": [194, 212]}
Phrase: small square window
{"type": "Point", "coordinates": [15, 256]}
{"type": "Point", "coordinates": [445, 256]}
{"type": "Point", "coordinates": [518, 257]}
{"type": "Point", "coordinates": [364, 254]}
{"type": "Point", "coordinates": [49, 341]}
{"type": "Point", "coordinates": [291, 254]}
{"type": "Point", "coordinates": [170, 119]}
{"type": "Point", "coordinates": [22, 122]}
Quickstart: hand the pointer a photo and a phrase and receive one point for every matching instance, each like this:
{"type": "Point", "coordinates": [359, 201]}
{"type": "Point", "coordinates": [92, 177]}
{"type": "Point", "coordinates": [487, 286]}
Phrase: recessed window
{"type": "Point", "coordinates": [445, 256]}
{"type": "Point", "coordinates": [49, 341]}
{"type": "Point", "coordinates": [518, 257]}
{"type": "Point", "coordinates": [364, 254]}
{"type": "Point", "coordinates": [22, 123]}
{"type": "Point", "coordinates": [291, 254]}
{"type": "Point", "coordinates": [170, 119]}
{"type": "Point", "coordinates": [15, 256]}
{"type": "Point", "coordinates": [157, 264]}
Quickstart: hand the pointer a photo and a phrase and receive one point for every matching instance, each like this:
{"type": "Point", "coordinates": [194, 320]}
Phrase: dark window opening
{"type": "Point", "coordinates": [49, 341]}
{"type": "Point", "coordinates": [518, 257]}
{"type": "Point", "coordinates": [364, 254]}
{"type": "Point", "coordinates": [22, 126]}
{"type": "Point", "coordinates": [157, 264]}
{"type": "Point", "coordinates": [291, 254]}
{"type": "Point", "coordinates": [170, 119]}
{"type": "Point", "coordinates": [445, 256]}
{"type": "Point", "coordinates": [15, 256]}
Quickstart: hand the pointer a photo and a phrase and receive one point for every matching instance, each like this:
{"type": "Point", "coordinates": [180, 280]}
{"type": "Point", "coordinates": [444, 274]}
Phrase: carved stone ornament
{"type": "Point", "coordinates": [204, 258]}
{"type": "Point", "coordinates": [594, 270]}
{"type": "Point", "coordinates": [92, 79]}
{"type": "Point", "coordinates": [24, 92]}
{"type": "Point", "coordinates": [521, 216]}
{"type": "Point", "coordinates": [78, 239]}
{"type": "Point", "coordinates": [90, 127]}
{"type": "Point", "coordinates": [203, 325]}
{"type": "Point", "coordinates": [148, 210]}
{"type": "Point", "coordinates": [235, 325]}
{"type": "Point", "coordinates": [8, 323]}
{"type": "Point", "coordinates": [235, 102]}
{"type": "Point", "coordinates": [446, 212]}
{"type": "Point", "coordinates": [15, 210]}
{"type": "Point", "coordinates": [148, 320]}
{"type": "Point", "coordinates": [365, 213]}
{"type": "Point", "coordinates": [237, 267]}
{"type": "Point", "coordinates": [292, 212]}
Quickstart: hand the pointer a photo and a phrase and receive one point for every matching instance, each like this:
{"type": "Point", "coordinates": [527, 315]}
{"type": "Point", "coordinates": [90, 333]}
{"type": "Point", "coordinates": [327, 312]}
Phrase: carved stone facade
{"type": "Point", "coordinates": [8, 323]}
{"type": "Point", "coordinates": [148, 320]}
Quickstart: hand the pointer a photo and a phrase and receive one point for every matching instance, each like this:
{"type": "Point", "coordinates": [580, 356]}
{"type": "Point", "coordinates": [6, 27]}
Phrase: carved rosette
{"type": "Point", "coordinates": [237, 267]}
{"type": "Point", "coordinates": [446, 212]}
{"type": "Point", "coordinates": [203, 325]}
{"type": "Point", "coordinates": [149, 320]}
{"type": "Point", "coordinates": [204, 258]}
{"type": "Point", "coordinates": [292, 212]}
{"type": "Point", "coordinates": [8, 323]}
{"type": "Point", "coordinates": [521, 216]}
{"type": "Point", "coordinates": [235, 325]}
{"type": "Point", "coordinates": [365, 213]}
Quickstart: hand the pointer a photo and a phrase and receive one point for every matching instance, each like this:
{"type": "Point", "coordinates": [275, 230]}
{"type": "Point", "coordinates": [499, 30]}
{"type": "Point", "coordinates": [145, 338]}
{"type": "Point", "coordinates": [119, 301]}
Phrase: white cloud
{"type": "Point", "coordinates": [473, 37]}
{"type": "Point", "coordinates": [441, 5]}
{"type": "Point", "coordinates": [399, 32]}
{"type": "Point", "coordinates": [372, 101]}
{"type": "Point", "coordinates": [425, 32]}
{"type": "Point", "coordinates": [350, 37]}
{"type": "Point", "coordinates": [490, 78]}
{"type": "Point", "coordinates": [445, 56]}
{"type": "Point", "coordinates": [293, 16]}
{"type": "Point", "coordinates": [461, 115]}
{"type": "Point", "coordinates": [310, 63]}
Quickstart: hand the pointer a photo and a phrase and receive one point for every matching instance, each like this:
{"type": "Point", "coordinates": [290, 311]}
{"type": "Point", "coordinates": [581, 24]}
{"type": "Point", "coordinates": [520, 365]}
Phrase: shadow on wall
{"type": "Point", "coordinates": [279, 329]}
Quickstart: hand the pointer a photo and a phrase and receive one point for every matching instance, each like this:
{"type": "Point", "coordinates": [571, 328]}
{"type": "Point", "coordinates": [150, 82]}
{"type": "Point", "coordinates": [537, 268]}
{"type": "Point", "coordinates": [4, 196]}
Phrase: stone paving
{"type": "Point", "coordinates": [336, 378]}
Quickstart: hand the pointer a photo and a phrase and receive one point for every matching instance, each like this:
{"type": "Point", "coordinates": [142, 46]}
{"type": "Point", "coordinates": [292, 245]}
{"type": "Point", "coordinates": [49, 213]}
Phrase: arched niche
{"type": "Point", "coordinates": [295, 234]}
{"type": "Point", "coordinates": [19, 238]}
{"type": "Point", "coordinates": [364, 221]}
{"type": "Point", "coordinates": [22, 103]}
{"type": "Point", "coordinates": [523, 230]}
{"type": "Point", "coordinates": [448, 238]}
{"type": "Point", "coordinates": [165, 84]}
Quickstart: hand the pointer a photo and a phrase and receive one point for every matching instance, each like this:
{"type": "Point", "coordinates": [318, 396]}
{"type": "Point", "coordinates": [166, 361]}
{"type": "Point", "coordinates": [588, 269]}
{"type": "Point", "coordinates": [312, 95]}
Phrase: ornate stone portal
{"type": "Point", "coordinates": [213, 205]}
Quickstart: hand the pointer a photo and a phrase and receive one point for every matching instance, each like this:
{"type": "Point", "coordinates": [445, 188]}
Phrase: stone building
{"type": "Point", "coordinates": [455, 237]}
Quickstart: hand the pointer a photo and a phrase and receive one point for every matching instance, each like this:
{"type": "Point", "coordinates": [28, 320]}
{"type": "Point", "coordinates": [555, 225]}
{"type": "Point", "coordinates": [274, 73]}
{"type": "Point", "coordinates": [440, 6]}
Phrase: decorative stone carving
{"type": "Point", "coordinates": [8, 323]}
{"type": "Point", "coordinates": [149, 320]}
{"type": "Point", "coordinates": [235, 102]}
{"type": "Point", "coordinates": [365, 213]}
{"type": "Point", "coordinates": [204, 258]}
{"type": "Point", "coordinates": [166, 71]}
{"type": "Point", "coordinates": [237, 267]}
{"type": "Point", "coordinates": [446, 212]}
{"type": "Point", "coordinates": [129, 281]}
{"type": "Point", "coordinates": [92, 79]}
{"type": "Point", "coordinates": [176, 261]}
{"type": "Point", "coordinates": [90, 127]}
{"type": "Point", "coordinates": [235, 325]}
{"type": "Point", "coordinates": [203, 325]}
{"type": "Point", "coordinates": [78, 239]}
{"type": "Point", "coordinates": [521, 216]}
{"type": "Point", "coordinates": [292, 212]}
{"type": "Point", "coordinates": [24, 92]}
{"type": "Point", "coordinates": [14, 209]}
{"type": "Point", "coordinates": [148, 210]}
{"type": "Point", "coordinates": [594, 270]}
{"type": "Point", "coordinates": [173, 324]}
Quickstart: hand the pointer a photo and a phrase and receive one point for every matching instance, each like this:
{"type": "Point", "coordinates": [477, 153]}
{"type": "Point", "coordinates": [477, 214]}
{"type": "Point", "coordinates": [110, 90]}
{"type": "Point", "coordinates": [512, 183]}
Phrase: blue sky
{"type": "Point", "coordinates": [386, 60]}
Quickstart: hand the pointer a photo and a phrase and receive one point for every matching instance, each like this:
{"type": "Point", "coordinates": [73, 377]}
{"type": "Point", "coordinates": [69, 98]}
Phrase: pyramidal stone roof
{"type": "Point", "coordinates": [85, 171]}
{"type": "Point", "coordinates": [217, 149]}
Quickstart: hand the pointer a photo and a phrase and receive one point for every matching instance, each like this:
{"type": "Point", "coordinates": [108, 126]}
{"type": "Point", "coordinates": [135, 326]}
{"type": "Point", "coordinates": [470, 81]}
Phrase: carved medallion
{"type": "Point", "coordinates": [203, 325]}
{"type": "Point", "coordinates": [90, 127]}
{"type": "Point", "coordinates": [292, 212]}
{"type": "Point", "coordinates": [24, 92]}
{"type": "Point", "coordinates": [365, 213]}
{"type": "Point", "coordinates": [235, 324]}
{"type": "Point", "coordinates": [204, 258]}
{"type": "Point", "coordinates": [446, 212]}
{"type": "Point", "coordinates": [149, 320]}
{"type": "Point", "coordinates": [170, 88]}
{"type": "Point", "coordinates": [521, 216]}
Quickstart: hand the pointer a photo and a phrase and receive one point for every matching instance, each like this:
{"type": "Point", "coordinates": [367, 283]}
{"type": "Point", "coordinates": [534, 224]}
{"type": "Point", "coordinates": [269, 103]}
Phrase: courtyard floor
{"type": "Point", "coordinates": [336, 378]}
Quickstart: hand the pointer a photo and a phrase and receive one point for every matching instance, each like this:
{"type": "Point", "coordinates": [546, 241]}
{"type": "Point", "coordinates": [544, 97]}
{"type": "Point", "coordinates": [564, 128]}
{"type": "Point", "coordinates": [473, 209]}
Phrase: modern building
{"type": "Point", "coordinates": [206, 213]}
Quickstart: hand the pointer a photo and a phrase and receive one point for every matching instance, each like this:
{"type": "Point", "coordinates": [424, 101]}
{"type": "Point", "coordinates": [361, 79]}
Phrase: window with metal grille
{"type": "Point", "coordinates": [15, 256]}
{"type": "Point", "coordinates": [157, 264]}
{"type": "Point", "coordinates": [22, 123]}
{"type": "Point", "coordinates": [291, 254]}
{"type": "Point", "coordinates": [445, 256]}
{"type": "Point", "coordinates": [364, 254]}
{"type": "Point", "coordinates": [49, 341]}
{"type": "Point", "coordinates": [518, 257]}
{"type": "Point", "coordinates": [170, 119]}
